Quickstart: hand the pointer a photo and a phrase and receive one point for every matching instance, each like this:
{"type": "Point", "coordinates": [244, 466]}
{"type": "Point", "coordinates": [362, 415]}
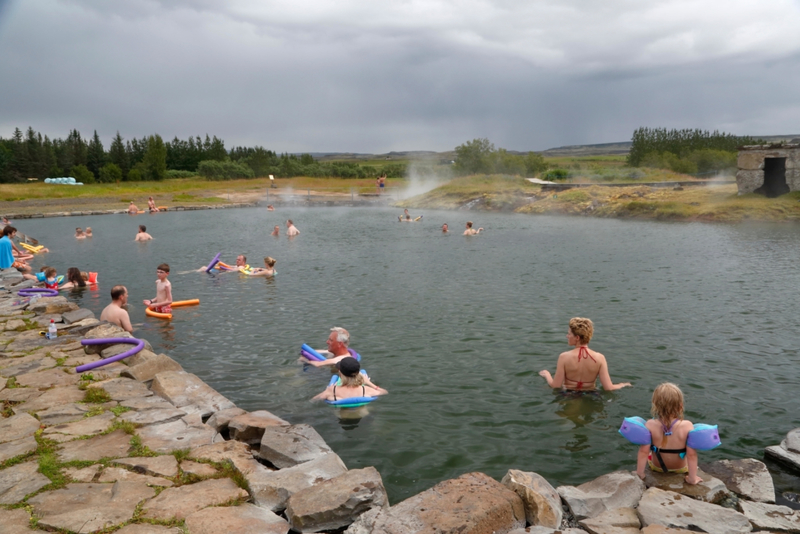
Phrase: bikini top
{"type": "Point", "coordinates": [363, 392]}
{"type": "Point", "coordinates": [583, 352]}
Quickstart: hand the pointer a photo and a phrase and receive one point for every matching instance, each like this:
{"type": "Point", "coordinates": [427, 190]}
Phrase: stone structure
{"type": "Point", "coordinates": [769, 170]}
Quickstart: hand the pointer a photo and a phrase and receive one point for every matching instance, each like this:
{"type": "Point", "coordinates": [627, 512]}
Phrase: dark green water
{"type": "Point", "coordinates": [457, 328]}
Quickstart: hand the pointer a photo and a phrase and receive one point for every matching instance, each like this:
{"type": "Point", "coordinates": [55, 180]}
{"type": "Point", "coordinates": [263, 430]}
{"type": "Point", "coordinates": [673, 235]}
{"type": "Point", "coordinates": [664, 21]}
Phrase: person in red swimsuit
{"type": "Point", "coordinates": [579, 368]}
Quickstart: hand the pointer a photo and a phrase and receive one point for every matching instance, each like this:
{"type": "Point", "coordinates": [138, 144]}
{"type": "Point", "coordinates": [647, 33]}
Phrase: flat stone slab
{"type": "Point", "coordinates": [50, 398]}
{"type": "Point", "coordinates": [197, 469]}
{"type": "Point", "coordinates": [249, 427]}
{"type": "Point", "coordinates": [157, 466]}
{"type": "Point", "coordinates": [542, 502]}
{"type": "Point", "coordinates": [177, 435]}
{"type": "Point", "coordinates": [747, 478]}
{"type": "Point", "coordinates": [147, 370]}
{"type": "Point", "coordinates": [77, 315]}
{"type": "Point", "coordinates": [153, 417]}
{"type": "Point", "coordinates": [19, 394]}
{"type": "Point", "coordinates": [674, 510]}
{"type": "Point", "coordinates": [56, 377]}
{"type": "Point", "coordinates": [19, 480]}
{"type": "Point", "coordinates": [153, 402]}
{"type": "Point", "coordinates": [243, 519]}
{"type": "Point", "coordinates": [31, 340]}
{"type": "Point", "coordinates": [660, 529]}
{"type": "Point", "coordinates": [112, 474]}
{"type": "Point", "coordinates": [711, 489]}
{"type": "Point", "coordinates": [15, 521]}
{"type": "Point", "coordinates": [12, 449]}
{"type": "Point", "coordinates": [65, 413]}
{"type": "Point", "coordinates": [89, 507]}
{"type": "Point", "coordinates": [219, 421]}
{"type": "Point", "coordinates": [185, 500]}
{"type": "Point", "coordinates": [18, 427]}
{"type": "Point", "coordinates": [620, 489]}
{"type": "Point", "coordinates": [89, 426]}
{"type": "Point", "coordinates": [113, 445]}
{"type": "Point", "coordinates": [8, 361]}
{"type": "Point", "coordinates": [13, 324]}
{"type": "Point", "coordinates": [121, 389]}
{"type": "Point", "coordinates": [30, 366]}
{"type": "Point", "coordinates": [617, 521]}
{"type": "Point", "coordinates": [780, 454]}
{"type": "Point", "coordinates": [771, 516]}
{"type": "Point", "coordinates": [146, 528]}
{"type": "Point", "coordinates": [287, 446]}
{"type": "Point", "coordinates": [187, 390]}
{"type": "Point", "coordinates": [234, 451]}
{"type": "Point", "coordinates": [87, 474]}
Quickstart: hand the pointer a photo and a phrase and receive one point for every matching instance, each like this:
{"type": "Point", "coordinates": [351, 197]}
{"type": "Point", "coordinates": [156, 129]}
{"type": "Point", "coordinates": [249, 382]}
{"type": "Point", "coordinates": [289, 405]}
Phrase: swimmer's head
{"type": "Point", "coordinates": [350, 369]}
{"type": "Point", "coordinates": [270, 262]}
{"type": "Point", "coordinates": [408, 217]}
{"type": "Point", "coordinates": [469, 224]}
{"type": "Point", "coordinates": [241, 260]}
{"type": "Point", "coordinates": [117, 292]}
{"type": "Point", "coordinates": [164, 267]}
{"type": "Point", "coordinates": [85, 276]}
{"type": "Point", "coordinates": [78, 230]}
{"type": "Point", "coordinates": [582, 328]}
{"type": "Point", "coordinates": [667, 402]}
{"type": "Point", "coordinates": [50, 272]}
{"type": "Point", "coordinates": [142, 228]}
{"type": "Point", "coordinates": [289, 222]}
{"type": "Point", "coordinates": [74, 276]}
{"type": "Point", "coordinates": [339, 336]}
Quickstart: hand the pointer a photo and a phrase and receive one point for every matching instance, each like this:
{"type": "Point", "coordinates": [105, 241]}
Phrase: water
{"type": "Point", "coordinates": [457, 328]}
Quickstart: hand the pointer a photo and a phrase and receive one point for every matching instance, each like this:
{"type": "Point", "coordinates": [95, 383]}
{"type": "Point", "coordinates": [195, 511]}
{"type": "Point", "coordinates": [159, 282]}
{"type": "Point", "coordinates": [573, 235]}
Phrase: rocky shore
{"type": "Point", "coordinates": [143, 446]}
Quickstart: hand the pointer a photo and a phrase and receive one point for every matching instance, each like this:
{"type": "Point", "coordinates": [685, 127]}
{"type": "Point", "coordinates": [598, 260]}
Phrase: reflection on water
{"type": "Point", "coordinates": [456, 328]}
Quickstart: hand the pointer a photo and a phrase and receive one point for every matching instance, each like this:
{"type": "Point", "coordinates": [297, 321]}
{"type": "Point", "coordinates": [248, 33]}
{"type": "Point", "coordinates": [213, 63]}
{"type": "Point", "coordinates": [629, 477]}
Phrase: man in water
{"type": "Point", "coordinates": [337, 348]}
{"type": "Point", "coordinates": [241, 261]}
{"type": "Point", "coordinates": [470, 230]}
{"type": "Point", "coordinates": [277, 231]}
{"type": "Point", "coordinates": [143, 235]}
{"type": "Point", "coordinates": [114, 312]}
{"type": "Point", "coordinates": [291, 230]}
{"type": "Point", "coordinates": [444, 228]}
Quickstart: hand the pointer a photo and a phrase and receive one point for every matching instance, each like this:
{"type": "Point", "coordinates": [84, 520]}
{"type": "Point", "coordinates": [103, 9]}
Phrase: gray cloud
{"type": "Point", "coordinates": [379, 76]}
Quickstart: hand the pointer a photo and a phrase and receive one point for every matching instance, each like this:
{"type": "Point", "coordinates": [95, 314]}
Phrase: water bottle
{"type": "Point", "coordinates": [52, 333]}
{"type": "Point", "coordinates": [34, 299]}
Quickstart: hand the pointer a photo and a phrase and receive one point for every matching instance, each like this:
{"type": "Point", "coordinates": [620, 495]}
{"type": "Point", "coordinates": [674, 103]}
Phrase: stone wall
{"type": "Point", "coordinates": [750, 174]}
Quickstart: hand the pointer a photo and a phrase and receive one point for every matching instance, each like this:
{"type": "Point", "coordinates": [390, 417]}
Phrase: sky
{"type": "Point", "coordinates": [374, 76]}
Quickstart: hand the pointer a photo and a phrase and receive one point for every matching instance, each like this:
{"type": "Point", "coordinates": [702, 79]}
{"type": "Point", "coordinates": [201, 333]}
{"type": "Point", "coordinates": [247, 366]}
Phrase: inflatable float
{"type": "Point", "coordinates": [40, 291]}
{"type": "Point", "coordinates": [702, 438]}
{"type": "Point", "coordinates": [176, 304]}
{"type": "Point", "coordinates": [93, 365]}
{"type": "Point", "coordinates": [31, 248]}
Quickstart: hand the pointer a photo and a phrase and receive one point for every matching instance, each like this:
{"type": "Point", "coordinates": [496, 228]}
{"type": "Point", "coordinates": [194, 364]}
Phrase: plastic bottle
{"type": "Point", "coordinates": [34, 299]}
{"type": "Point", "coordinates": [52, 333]}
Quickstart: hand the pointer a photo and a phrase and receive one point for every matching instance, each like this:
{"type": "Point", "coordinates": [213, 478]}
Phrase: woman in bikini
{"type": "Point", "coordinates": [351, 383]}
{"type": "Point", "coordinates": [579, 368]}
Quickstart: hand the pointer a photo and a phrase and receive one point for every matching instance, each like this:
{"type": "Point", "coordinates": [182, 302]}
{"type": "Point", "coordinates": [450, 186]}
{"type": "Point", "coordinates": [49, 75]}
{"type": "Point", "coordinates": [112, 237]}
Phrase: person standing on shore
{"type": "Point", "coordinates": [115, 312]}
{"type": "Point", "coordinates": [291, 229]}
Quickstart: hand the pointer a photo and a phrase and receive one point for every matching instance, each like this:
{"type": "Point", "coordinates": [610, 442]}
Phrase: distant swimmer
{"type": "Point", "coordinates": [444, 228]}
{"type": "Point", "coordinates": [143, 235]}
{"type": "Point", "coordinates": [276, 231]}
{"type": "Point", "coordinates": [132, 209]}
{"type": "Point", "coordinates": [88, 231]}
{"type": "Point", "coordinates": [79, 234]}
{"type": "Point", "coordinates": [115, 312]}
{"type": "Point", "coordinates": [268, 270]}
{"type": "Point", "coordinates": [151, 205]}
{"type": "Point", "coordinates": [471, 231]}
{"type": "Point", "coordinates": [351, 383]}
{"type": "Point", "coordinates": [291, 229]}
{"type": "Point", "coordinates": [270, 208]}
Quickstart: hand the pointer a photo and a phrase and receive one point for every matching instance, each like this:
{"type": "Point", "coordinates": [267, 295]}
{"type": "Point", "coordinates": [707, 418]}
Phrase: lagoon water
{"type": "Point", "coordinates": [457, 328]}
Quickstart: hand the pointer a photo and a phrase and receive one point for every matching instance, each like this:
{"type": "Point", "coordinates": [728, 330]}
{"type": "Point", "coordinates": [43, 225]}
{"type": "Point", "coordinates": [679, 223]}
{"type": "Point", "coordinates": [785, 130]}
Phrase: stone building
{"type": "Point", "coordinates": [769, 170]}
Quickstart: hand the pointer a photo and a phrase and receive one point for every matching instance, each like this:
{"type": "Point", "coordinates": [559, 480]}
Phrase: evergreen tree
{"type": "Point", "coordinates": [96, 155]}
{"type": "Point", "coordinates": [118, 155]}
{"type": "Point", "coordinates": [155, 159]}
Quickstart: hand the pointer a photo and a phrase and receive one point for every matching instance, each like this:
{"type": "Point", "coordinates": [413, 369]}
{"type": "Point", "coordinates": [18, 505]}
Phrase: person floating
{"type": "Point", "coordinates": [115, 312]}
{"type": "Point", "coordinates": [471, 231]}
{"type": "Point", "coordinates": [143, 235]}
{"type": "Point", "coordinates": [291, 229]}
{"type": "Point", "coordinates": [268, 270]}
{"type": "Point", "coordinates": [351, 383]}
{"type": "Point", "coordinates": [579, 368]}
{"type": "Point", "coordinates": [163, 301]}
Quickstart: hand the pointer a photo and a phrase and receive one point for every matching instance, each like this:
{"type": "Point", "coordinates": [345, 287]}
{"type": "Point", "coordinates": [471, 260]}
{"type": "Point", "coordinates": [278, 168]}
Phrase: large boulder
{"type": "Point", "coordinates": [287, 446]}
{"type": "Point", "coordinates": [337, 502]}
{"type": "Point", "coordinates": [788, 452]}
{"type": "Point", "coordinates": [747, 477]}
{"type": "Point", "coordinates": [620, 489]}
{"type": "Point", "coordinates": [771, 517]}
{"type": "Point", "coordinates": [104, 331]}
{"type": "Point", "coordinates": [711, 489]}
{"type": "Point", "coordinates": [249, 427]}
{"type": "Point", "coordinates": [271, 489]}
{"type": "Point", "coordinates": [147, 370]}
{"type": "Point", "coordinates": [542, 502]}
{"type": "Point", "coordinates": [219, 421]}
{"type": "Point", "coordinates": [674, 510]}
{"type": "Point", "coordinates": [242, 519]}
{"type": "Point", "coordinates": [473, 503]}
{"type": "Point", "coordinates": [187, 391]}
{"type": "Point", "coordinates": [56, 304]}
{"type": "Point", "coordinates": [617, 521]}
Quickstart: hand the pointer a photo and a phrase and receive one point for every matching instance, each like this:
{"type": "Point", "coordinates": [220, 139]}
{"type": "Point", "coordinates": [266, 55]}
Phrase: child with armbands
{"type": "Point", "coordinates": [670, 431]}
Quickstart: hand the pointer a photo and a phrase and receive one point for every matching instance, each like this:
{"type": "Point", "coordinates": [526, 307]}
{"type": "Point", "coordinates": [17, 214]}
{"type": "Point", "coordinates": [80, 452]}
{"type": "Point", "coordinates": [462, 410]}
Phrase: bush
{"type": "Point", "coordinates": [110, 173]}
{"type": "Point", "coordinates": [82, 174]}
{"type": "Point", "coordinates": [555, 175]}
{"type": "Point", "coordinates": [223, 170]}
{"type": "Point", "coordinates": [174, 173]}
{"type": "Point", "coordinates": [135, 174]}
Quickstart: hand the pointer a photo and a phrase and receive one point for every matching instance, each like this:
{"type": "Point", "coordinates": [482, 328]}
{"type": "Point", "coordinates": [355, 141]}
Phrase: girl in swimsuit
{"type": "Point", "coordinates": [350, 384]}
{"type": "Point", "coordinates": [579, 369]}
{"type": "Point", "coordinates": [669, 430]}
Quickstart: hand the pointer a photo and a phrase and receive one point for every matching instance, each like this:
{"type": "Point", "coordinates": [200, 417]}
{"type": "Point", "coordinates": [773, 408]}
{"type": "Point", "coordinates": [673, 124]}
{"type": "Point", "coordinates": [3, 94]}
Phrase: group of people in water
{"type": "Point", "coordinates": [469, 230]}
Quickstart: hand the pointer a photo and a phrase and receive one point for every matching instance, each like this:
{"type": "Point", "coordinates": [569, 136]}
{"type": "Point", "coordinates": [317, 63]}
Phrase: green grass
{"type": "Point", "coordinates": [139, 449]}
{"type": "Point", "coordinates": [11, 383]}
{"type": "Point", "coordinates": [119, 410]}
{"type": "Point", "coordinates": [96, 396]}
{"type": "Point", "coordinates": [49, 465]}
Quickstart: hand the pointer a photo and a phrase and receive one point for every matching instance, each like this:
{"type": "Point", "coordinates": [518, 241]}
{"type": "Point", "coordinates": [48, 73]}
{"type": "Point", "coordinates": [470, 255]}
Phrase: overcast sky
{"type": "Point", "coordinates": [375, 76]}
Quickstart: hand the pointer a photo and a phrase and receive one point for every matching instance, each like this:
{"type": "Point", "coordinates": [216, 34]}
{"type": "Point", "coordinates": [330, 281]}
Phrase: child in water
{"type": "Point", "coordinates": [670, 431]}
{"type": "Point", "coordinates": [163, 301]}
{"type": "Point", "coordinates": [50, 281]}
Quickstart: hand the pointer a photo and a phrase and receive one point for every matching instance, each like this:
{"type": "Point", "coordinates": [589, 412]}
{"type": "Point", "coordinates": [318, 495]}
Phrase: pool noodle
{"type": "Point", "coordinates": [93, 365]}
{"type": "Point", "coordinates": [314, 354]}
{"type": "Point", "coordinates": [213, 262]}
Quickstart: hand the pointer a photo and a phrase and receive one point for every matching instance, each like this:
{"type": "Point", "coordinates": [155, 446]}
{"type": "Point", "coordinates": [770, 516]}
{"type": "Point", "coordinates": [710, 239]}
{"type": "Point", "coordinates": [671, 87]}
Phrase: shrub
{"type": "Point", "coordinates": [82, 174]}
{"type": "Point", "coordinates": [555, 175]}
{"type": "Point", "coordinates": [135, 174]}
{"type": "Point", "coordinates": [223, 170]}
{"type": "Point", "coordinates": [110, 173]}
{"type": "Point", "coordinates": [174, 173]}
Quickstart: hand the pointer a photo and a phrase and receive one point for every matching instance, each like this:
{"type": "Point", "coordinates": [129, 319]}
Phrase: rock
{"type": "Point", "coordinates": [89, 507]}
{"type": "Point", "coordinates": [31, 340]}
{"type": "Point", "coordinates": [748, 478]}
{"type": "Point", "coordinates": [86, 474]}
{"type": "Point", "coordinates": [219, 421]}
{"type": "Point", "coordinates": [249, 427]}
{"type": "Point", "coordinates": [185, 390]}
{"type": "Point", "coordinates": [674, 510]}
{"type": "Point", "coordinates": [140, 357]}
{"type": "Point", "coordinates": [12, 449]}
{"type": "Point", "coordinates": [620, 489]}
{"type": "Point", "coordinates": [660, 529]}
{"type": "Point", "coordinates": [153, 402]}
{"type": "Point", "coordinates": [19, 480]}
{"type": "Point", "coordinates": [242, 519]}
{"type": "Point", "coordinates": [235, 452]}
{"type": "Point", "coordinates": [146, 528]}
{"type": "Point", "coordinates": [30, 366]}
{"type": "Point", "coordinates": [13, 324]}
{"type": "Point", "coordinates": [19, 395]}
{"type": "Point", "coordinates": [48, 379]}
{"type": "Point", "coordinates": [271, 489]}
{"type": "Point", "coordinates": [50, 398]}
{"type": "Point", "coordinates": [105, 330]}
{"type": "Point", "coordinates": [542, 502]}
{"type": "Point", "coordinates": [153, 417]}
{"type": "Point", "coordinates": [120, 389]}
{"type": "Point", "coordinates": [85, 427]}
{"type": "Point", "coordinates": [287, 446]}
{"type": "Point", "coordinates": [709, 490]}
{"type": "Point", "coordinates": [617, 521]}
{"type": "Point", "coordinates": [793, 441]}
{"type": "Point", "coordinates": [770, 516]}
{"type": "Point", "coordinates": [65, 413]}
{"type": "Point", "coordinates": [185, 500]}
{"type": "Point", "coordinates": [157, 466]}
{"type": "Point", "coordinates": [8, 361]}
{"type": "Point", "coordinates": [57, 304]}
{"type": "Point", "coordinates": [15, 521]}
{"type": "Point", "coordinates": [112, 474]}
{"type": "Point", "coordinates": [147, 370]}
{"type": "Point", "coordinates": [782, 455]}
{"type": "Point", "coordinates": [470, 504]}
{"type": "Point", "coordinates": [77, 315]}
{"type": "Point", "coordinates": [79, 327]}
{"type": "Point", "coordinates": [17, 427]}
{"type": "Point", "coordinates": [184, 433]}
{"type": "Point", "coordinates": [337, 502]}
{"type": "Point", "coordinates": [197, 469]}
{"type": "Point", "coordinates": [113, 445]}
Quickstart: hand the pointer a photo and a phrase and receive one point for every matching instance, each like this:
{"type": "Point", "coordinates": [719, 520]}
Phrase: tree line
{"type": "Point", "coordinates": [479, 156]}
{"type": "Point", "coordinates": [32, 155]}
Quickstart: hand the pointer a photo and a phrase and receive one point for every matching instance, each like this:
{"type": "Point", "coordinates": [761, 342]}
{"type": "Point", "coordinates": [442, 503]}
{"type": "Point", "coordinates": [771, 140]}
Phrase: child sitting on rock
{"type": "Point", "coordinates": [670, 431]}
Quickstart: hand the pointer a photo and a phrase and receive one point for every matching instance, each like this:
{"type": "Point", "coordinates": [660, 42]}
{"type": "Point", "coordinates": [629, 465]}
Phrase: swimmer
{"type": "Point", "coordinates": [291, 229]}
{"type": "Point", "coordinates": [163, 301]}
{"type": "Point", "coordinates": [351, 383]}
{"type": "Point", "coordinates": [132, 209]}
{"type": "Point", "coordinates": [337, 343]}
{"type": "Point", "coordinates": [268, 270]}
{"type": "Point", "coordinates": [79, 234]}
{"type": "Point", "coordinates": [241, 262]}
{"type": "Point", "coordinates": [470, 230]}
{"type": "Point", "coordinates": [276, 231]}
{"type": "Point", "coordinates": [115, 312]}
{"type": "Point", "coordinates": [151, 205]}
{"type": "Point", "coordinates": [143, 235]}
{"type": "Point", "coordinates": [444, 228]}
{"type": "Point", "coordinates": [73, 279]}
{"type": "Point", "coordinates": [50, 278]}
{"type": "Point", "coordinates": [270, 208]}
{"type": "Point", "coordinates": [579, 369]}
{"type": "Point", "coordinates": [88, 231]}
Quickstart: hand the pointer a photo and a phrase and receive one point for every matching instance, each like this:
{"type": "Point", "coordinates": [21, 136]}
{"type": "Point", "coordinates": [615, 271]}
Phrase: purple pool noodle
{"type": "Point", "coordinates": [354, 354]}
{"type": "Point", "coordinates": [213, 262]}
{"type": "Point", "coordinates": [42, 291]}
{"type": "Point", "coordinates": [314, 354]}
{"type": "Point", "coordinates": [308, 355]}
{"type": "Point", "coordinates": [112, 340]}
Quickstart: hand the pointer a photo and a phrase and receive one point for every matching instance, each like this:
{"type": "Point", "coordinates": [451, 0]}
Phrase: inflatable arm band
{"type": "Point", "coordinates": [132, 340]}
{"type": "Point", "coordinates": [311, 352]}
{"type": "Point", "coordinates": [213, 262]}
{"type": "Point", "coordinates": [702, 438]}
{"type": "Point", "coordinates": [634, 430]}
